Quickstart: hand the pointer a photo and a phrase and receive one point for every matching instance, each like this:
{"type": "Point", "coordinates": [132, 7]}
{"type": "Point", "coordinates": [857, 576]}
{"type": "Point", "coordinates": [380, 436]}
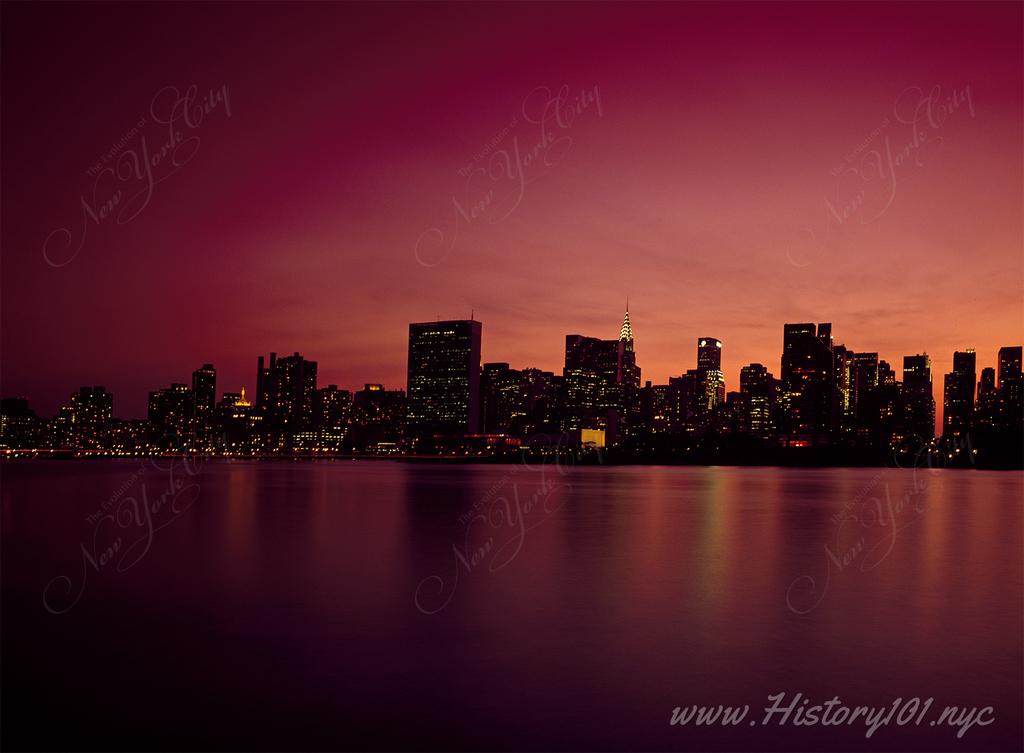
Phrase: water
{"type": "Point", "coordinates": [340, 605]}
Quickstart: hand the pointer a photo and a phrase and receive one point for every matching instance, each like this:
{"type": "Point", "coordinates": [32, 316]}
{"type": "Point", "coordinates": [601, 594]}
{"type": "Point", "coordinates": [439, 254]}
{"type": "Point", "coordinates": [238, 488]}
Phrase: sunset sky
{"type": "Point", "coordinates": [727, 167]}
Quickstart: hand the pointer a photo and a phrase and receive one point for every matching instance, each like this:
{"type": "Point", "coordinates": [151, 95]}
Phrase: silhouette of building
{"type": "Point", "coordinates": [378, 418]}
{"type": "Point", "coordinates": [628, 377]}
{"type": "Point", "coordinates": [92, 410]}
{"type": "Point", "coordinates": [807, 384]}
{"type": "Point", "coordinates": [709, 381]}
{"type": "Point", "coordinates": [958, 394]}
{"type": "Point", "coordinates": [602, 384]}
{"type": "Point", "coordinates": [918, 400]}
{"type": "Point", "coordinates": [502, 398]}
{"type": "Point", "coordinates": [709, 353]}
{"type": "Point", "coordinates": [827, 395]}
{"type": "Point", "coordinates": [843, 390]}
{"type": "Point", "coordinates": [444, 380]}
{"type": "Point", "coordinates": [1011, 389]}
{"type": "Point", "coordinates": [681, 398]}
{"type": "Point", "coordinates": [20, 427]}
{"type": "Point", "coordinates": [204, 400]}
{"type": "Point", "coordinates": [987, 414]}
{"type": "Point", "coordinates": [170, 414]}
{"type": "Point", "coordinates": [332, 409]}
{"type": "Point", "coordinates": [295, 385]}
{"type": "Point", "coordinates": [266, 394]}
{"type": "Point", "coordinates": [591, 386]}
{"type": "Point", "coordinates": [864, 398]}
{"type": "Point", "coordinates": [756, 403]}
{"type": "Point", "coordinates": [204, 390]}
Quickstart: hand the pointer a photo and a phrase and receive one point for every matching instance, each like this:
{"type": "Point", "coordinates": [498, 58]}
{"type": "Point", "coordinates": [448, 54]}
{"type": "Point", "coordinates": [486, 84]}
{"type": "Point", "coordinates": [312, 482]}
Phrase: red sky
{"type": "Point", "coordinates": [736, 166]}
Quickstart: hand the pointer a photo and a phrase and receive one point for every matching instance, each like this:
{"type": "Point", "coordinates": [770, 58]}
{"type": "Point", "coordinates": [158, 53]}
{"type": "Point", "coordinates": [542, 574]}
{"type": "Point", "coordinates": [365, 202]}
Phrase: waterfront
{"type": "Point", "coordinates": [355, 604]}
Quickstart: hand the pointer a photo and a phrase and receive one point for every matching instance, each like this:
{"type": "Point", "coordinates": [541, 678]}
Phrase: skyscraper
{"type": "Point", "coordinates": [591, 374]}
{"type": "Point", "coordinates": [843, 388]}
{"type": "Point", "coordinates": [1009, 365]}
{"type": "Point", "coordinates": [265, 393]}
{"type": "Point", "coordinates": [958, 394]}
{"type": "Point", "coordinates": [710, 381]}
{"type": "Point", "coordinates": [444, 379]}
{"type": "Point", "coordinates": [757, 402]}
{"type": "Point", "coordinates": [502, 398]}
{"type": "Point", "coordinates": [170, 414]}
{"type": "Point", "coordinates": [918, 401]}
{"type": "Point", "coordinates": [680, 403]}
{"type": "Point", "coordinates": [987, 414]}
{"type": "Point", "coordinates": [864, 380]}
{"type": "Point", "coordinates": [807, 383]}
{"type": "Point", "coordinates": [709, 353]}
{"type": "Point", "coordinates": [1011, 389]}
{"type": "Point", "coordinates": [602, 384]}
{"type": "Point", "coordinates": [295, 385]}
{"type": "Point", "coordinates": [204, 397]}
{"type": "Point", "coordinates": [628, 378]}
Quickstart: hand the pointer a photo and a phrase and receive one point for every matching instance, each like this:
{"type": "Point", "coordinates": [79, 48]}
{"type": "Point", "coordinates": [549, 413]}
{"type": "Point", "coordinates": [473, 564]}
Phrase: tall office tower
{"type": "Point", "coordinates": [204, 392]}
{"type": "Point", "coordinates": [844, 374]}
{"type": "Point", "coordinates": [680, 403]}
{"type": "Point", "coordinates": [628, 378]}
{"type": "Point", "coordinates": [591, 374]}
{"type": "Point", "coordinates": [170, 414]}
{"type": "Point", "coordinates": [444, 379]}
{"type": "Point", "coordinates": [987, 414]}
{"type": "Point", "coordinates": [266, 395]}
{"type": "Point", "coordinates": [756, 403]}
{"type": "Point", "coordinates": [807, 384]}
{"type": "Point", "coordinates": [294, 381]}
{"type": "Point", "coordinates": [1009, 364]}
{"type": "Point", "coordinates": [864, 381]}
{"type": "Point", "coordinates": [710, 381]}
{"type": "Point", "coordinates": [918, 401]}
{"type": "Point", "coordinates": [502, 398]}
{"type": "Point", "coordinates": [1011, 389]}
{"type": "Point", "coordinates": [92, 410]}
{"type": "Point", "coordinates": [708, 395]}
{"type": "Point", "coordinates": [709, 353]}
{"type": "Point", "coordinates": [958, 395]}
{"type": "Point", "coordinates": [886, 424]}
{"type": "Point", "coordinates": [601, 384]}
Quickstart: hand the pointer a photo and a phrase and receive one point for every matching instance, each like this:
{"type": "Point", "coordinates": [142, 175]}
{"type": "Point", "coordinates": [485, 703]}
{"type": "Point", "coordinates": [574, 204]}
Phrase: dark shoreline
{"type": "Point", "coordinates": [788, 459]}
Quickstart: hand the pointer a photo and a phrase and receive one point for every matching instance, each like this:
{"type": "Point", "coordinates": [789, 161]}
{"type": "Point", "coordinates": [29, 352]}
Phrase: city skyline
{"type": "Point", "coordinates": [707, 352]}
{"type": "Point", "coordinates": [718, 203]}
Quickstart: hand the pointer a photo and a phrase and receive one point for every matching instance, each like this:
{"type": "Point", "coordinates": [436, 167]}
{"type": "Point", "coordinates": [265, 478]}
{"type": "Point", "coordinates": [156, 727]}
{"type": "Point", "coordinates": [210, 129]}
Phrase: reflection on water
{"type": "Point", "coordinates": [383, 605]}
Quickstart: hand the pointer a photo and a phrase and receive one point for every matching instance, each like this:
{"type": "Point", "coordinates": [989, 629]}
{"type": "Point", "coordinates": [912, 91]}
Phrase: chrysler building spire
{"type": "Point", "coordinates": [626, 333]}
